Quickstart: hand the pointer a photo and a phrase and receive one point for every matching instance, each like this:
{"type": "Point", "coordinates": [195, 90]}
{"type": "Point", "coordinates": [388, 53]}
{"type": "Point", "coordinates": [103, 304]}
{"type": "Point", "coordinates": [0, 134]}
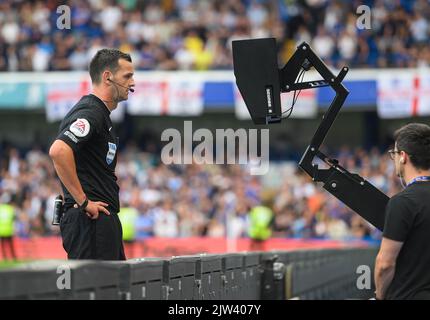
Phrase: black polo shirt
{"type": "Point", "coordinates": [88, 130]}
{"type": "Point", "coordinates": [408, 220]}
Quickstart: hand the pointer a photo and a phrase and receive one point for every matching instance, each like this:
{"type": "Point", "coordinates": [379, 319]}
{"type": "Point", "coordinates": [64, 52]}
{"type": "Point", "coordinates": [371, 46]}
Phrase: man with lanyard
{"type": "Point", "coordinates": [84, 156]}
{"type": "Point", "coordinates": [403, 262]}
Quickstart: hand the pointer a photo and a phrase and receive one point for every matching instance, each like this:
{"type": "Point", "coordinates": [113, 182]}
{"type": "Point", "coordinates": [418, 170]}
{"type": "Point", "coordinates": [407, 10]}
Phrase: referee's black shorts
{"type": "Point", "coordinates": [84, 238]}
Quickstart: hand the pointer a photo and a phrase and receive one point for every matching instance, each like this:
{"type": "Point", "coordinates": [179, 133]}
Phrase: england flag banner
{"type": "Point", "coordinates": [403, 94]}
{"type": "Point", "coordinates": [424, 95]}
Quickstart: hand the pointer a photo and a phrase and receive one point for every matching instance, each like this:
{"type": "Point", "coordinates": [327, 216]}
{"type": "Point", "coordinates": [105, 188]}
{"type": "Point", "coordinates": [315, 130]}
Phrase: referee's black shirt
{"type": "Point", "coordinates": [408, 220]}
{"type": "Point", "coordinates": [88, 130]}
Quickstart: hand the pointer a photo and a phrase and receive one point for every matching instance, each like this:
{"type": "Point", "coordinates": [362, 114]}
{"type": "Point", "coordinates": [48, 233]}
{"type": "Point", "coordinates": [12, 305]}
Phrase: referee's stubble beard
{"type": "Point", "coordinates": [122, 81]}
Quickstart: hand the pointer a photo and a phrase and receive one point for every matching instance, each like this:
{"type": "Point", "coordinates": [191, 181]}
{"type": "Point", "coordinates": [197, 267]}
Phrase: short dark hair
{"type": "Point", "coordinates": [414, 139]}
{"type": "Point", "coordinates": [106, 59]}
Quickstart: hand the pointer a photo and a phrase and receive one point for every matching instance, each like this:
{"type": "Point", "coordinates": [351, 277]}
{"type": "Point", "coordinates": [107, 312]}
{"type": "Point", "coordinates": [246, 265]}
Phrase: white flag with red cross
{"type": "Point", "coordinates": [403, 94]}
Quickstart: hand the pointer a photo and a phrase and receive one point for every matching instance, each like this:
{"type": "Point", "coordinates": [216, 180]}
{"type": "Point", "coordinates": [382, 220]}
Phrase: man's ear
{"type": "Point", "coordinates": [403, 157]}
{"type": "Point", "coordinates": [105, 76]}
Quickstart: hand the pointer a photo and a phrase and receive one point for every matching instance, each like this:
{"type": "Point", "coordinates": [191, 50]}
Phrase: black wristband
{"type": "Point", "coordinates": [84, 204]}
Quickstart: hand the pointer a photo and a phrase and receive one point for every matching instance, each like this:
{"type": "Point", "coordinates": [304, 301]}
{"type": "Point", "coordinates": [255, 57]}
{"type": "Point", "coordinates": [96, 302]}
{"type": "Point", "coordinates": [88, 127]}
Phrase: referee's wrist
{"type": "Point", "coordinates": [84, 204]}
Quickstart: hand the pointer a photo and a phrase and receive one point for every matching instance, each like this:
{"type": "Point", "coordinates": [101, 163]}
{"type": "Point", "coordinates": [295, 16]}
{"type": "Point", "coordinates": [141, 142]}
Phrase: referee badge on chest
{"type": "Point", "coordinates": [111, 152]}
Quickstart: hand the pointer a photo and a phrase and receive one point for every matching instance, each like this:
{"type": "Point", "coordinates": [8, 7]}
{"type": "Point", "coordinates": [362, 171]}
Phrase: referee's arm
{"type": "Point", "coordinates": [64, 162]}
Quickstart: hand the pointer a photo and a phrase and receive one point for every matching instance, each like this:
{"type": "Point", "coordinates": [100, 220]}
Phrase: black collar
{"type": "Point", "coordinates": [100, 103]}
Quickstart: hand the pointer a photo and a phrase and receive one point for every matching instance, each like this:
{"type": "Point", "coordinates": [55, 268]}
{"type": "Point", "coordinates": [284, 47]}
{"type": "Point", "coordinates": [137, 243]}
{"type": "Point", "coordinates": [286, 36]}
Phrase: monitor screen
{"type": "Point", "coordinates": [257, 77]}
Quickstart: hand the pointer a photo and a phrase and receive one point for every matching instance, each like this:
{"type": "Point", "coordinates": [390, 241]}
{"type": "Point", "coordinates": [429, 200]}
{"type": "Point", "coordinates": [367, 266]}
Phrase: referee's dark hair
{"type": "Point", "coordinates": [414, 139]}
{"type": "Point", "coordinates": [106, 59]}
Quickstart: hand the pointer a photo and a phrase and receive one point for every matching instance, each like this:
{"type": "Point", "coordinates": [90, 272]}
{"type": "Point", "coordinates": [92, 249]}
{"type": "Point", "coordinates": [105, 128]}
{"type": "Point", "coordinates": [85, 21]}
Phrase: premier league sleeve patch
{"type": "Point", "coordinates": [80, 128]}
{"type": "Point", "coordinates": [111, 153]}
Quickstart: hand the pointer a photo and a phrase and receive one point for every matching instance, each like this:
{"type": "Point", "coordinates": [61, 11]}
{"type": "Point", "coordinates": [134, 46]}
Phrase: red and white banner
{"type": "Point", "coordinates": [149, 98]}
{"type": "Point", "coordinates": [167, 97]}
{"type": "Point", "coordinates": [62, 96]}
{"type": "Point", "coordinates": [305, 107]}
{"type": "Point", "coordinates": [403, 94]}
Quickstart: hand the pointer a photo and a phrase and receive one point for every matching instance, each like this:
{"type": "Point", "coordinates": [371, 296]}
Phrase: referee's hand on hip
{"type": "Point", "coordinates": [93, 209]}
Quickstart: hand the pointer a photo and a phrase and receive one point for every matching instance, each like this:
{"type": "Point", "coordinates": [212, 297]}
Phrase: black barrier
{"type": "Point", "coordinates": [145, 279]}
{"type": "Point", "coordinates": [30, 282]}
{"type": "Point", "coordinates": [57, 279]}
{"type": "Point", "coordinates": [209, 282]}
{"type": "Point", "coordinates": [336, 277]}
{"type": "Point", "coordinates": [271, 286]}
{"type": "Point", "coordinates": [231, 278]}
{"type": "Point", "coordinates": [182, 278]}
{"type": "Point", "coordinates": [275, 275]}
{"type": "Point", "coordinates": [251, 275]}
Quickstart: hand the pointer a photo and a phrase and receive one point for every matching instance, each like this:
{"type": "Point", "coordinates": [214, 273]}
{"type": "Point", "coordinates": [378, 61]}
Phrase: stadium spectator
{"type": "Point", "coordinates": [260, 226]}
{"type": "Point", "coordinates": [7, 232]}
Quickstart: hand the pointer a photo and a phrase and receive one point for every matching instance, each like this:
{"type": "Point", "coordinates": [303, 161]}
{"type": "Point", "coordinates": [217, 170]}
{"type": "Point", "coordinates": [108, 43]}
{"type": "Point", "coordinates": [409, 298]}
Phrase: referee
{"type": "Point", "coordinates": [84, 156]}
{"type": "Point", "coordinates": [403, 262]}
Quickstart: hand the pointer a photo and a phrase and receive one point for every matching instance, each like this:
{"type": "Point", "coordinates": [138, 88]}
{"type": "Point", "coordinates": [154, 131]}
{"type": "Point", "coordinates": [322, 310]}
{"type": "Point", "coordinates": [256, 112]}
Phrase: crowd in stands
{"type": "Point", "coordinates": [202, 200]}
{"type": "Point", "coordinates": [197, 34]}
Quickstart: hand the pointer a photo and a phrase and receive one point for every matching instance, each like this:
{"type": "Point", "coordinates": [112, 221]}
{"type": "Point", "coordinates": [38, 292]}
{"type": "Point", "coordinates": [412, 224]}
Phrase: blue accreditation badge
{"type": "Point", "coordinates": [111, 152]}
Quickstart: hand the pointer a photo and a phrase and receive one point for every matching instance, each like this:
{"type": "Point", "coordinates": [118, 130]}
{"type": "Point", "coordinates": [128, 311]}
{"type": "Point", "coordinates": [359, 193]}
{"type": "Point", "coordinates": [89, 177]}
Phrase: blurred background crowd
{"type": "Point", "coordinates": [202, 200]}
{"type": "Point", "coordinates": [197, 35]}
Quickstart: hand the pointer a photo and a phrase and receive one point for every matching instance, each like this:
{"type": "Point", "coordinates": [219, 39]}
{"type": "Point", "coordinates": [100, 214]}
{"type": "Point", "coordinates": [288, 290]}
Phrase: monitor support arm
{"type": "Point", "coordinates": [354, 191]}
